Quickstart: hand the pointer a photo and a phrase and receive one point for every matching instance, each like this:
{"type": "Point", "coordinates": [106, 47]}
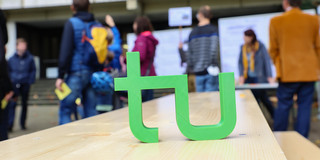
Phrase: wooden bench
{"type": "Point", "coordinates": [296, 147]}
{"type": "Point", "coordinates": [108, 136]}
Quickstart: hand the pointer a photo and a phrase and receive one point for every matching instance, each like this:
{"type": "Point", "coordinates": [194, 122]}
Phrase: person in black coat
{"type": "Point", "coordinates": [5, 84]}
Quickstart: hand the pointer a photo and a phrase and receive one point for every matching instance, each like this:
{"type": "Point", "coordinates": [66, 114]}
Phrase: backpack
{"type": "Point", "coordinates": [102, 82]}
{"type": "Point", "coordinates": [94, 42]}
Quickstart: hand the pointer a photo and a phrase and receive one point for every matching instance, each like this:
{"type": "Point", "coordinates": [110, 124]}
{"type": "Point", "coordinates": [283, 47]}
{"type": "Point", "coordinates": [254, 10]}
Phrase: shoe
{"type": "Point", "coordinates": [10, 129]}
{"type": "Point", "coordinates": [23, 128]}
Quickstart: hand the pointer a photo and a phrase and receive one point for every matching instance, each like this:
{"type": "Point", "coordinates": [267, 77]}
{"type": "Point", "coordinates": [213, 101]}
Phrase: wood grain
{"type": "Point", "coordinates": [108, 136]}
{"type": "Point", "coordinates": [296, 147]}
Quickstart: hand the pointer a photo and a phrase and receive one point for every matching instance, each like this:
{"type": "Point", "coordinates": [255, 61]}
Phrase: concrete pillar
{"type": "Point", "coordinates": [12, 34]}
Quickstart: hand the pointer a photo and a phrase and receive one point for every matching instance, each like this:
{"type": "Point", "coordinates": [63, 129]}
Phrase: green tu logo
{"type": "Point", "coordinates": [134, 83]}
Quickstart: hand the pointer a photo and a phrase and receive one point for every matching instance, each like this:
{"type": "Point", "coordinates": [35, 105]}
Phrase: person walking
{"type": "Point", "coordinates": [145, 44]}
{"type": "Point", "coordinates": [22, 72]}
{"type": "Point", "coordinates": [202, 55]}
{"type": "Point", "coordinates": [295, 50]}
{"type": "Point", "coordinates": [76, 62]}
{"type": "Point", "coordinates": [255, 67]}
{"type": "Point", "coordinates": [115, 47]}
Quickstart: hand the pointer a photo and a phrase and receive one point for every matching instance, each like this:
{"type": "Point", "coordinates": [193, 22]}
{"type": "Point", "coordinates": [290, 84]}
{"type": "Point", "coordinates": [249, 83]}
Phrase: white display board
{"type": "Point", "coordinates": [231, 31]}
{"type": "Point", "coordinates": [10, 4]}
{"type": "Point", "coordinates": [180, 16]}
{"type": "Point", "coordinates": [167, 60]}
{"type": "Point", "coordinates": [52, 72]}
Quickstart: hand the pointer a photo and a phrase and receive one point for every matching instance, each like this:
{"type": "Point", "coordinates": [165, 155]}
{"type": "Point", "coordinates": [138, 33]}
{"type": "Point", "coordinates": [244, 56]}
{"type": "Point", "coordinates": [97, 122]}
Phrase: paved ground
{"type": "Point", "coordinates": [44, 117]}
{"type": "Point", "coordinates": [39, 118]}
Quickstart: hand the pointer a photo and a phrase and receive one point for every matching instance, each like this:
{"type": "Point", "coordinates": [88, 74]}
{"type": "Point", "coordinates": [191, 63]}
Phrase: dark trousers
{"type": "Point", "coordinates": [285, 94]}
{"type": "Point", "coordinates": [23, 91]}
{"type": "Point", "coordinates": [4, 124]}
{"type": "Point", "coordinates": [116, 101]}
{"type": "Point", "coordinates": [261, 96]}
{"type": "Point", "coordinates": [147, 95]}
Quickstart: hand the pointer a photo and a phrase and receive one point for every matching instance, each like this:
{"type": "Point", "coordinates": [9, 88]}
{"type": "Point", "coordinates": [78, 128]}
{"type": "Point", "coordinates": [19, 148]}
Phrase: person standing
{"type": "Point", "coordinates": [110, 100]}
{"type": "Point", "coordinates": [115, 47]}
{"type": "Point", "coordinates": [73, 63]}
{"type": "Point", "coordinates": [295, 50]}
{"type": "Point", "coordinates": [145, 44]}
{"type": "Point", "coordinates": [255, 67]}
{"type": "Point", "coordinates": [191, 76]}
{"type": "Point", "coordinates": [5, 84]}
{"type": "Point", "coordinates": [203, 52]}
{"type": "Point", "coordinates": [22, 72]}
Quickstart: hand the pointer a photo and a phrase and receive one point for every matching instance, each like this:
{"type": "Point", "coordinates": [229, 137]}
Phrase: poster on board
{"type": "Point", "coordinates": [167, 59]}
{"type": "Point", "coordinates": [181, 16]}
{"type": "Point", "coordinates": [231, 32]}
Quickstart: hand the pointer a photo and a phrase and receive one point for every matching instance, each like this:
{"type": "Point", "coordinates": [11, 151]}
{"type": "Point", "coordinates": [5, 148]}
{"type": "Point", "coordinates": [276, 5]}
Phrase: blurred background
{"type": "Point", "coordinates": [41, 23]}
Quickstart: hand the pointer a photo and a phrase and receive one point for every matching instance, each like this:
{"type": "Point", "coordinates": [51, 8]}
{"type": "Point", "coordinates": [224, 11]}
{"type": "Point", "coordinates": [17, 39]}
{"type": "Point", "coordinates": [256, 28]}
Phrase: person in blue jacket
{"type": "Point", "coordinates": [105, 101]}
{"type": "Point", "coordinates": [22, 71]}
{"type": "Point", "coordinates": [72, 70]}
{"type": "Point", "coordinates": [115, 47]}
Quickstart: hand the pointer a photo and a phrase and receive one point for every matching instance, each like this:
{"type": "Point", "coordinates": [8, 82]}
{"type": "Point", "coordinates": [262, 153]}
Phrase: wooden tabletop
{"type": "Point", "coordinates": [108, 136]}
{"type": "Point", "coordinates": [296, 147]}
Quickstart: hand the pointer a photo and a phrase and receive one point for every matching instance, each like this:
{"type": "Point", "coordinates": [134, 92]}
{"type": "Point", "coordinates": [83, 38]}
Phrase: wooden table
{"type": "Point", "coordinates": [296, 147]}
{"type": "Point", "coordinates": [108, 136]}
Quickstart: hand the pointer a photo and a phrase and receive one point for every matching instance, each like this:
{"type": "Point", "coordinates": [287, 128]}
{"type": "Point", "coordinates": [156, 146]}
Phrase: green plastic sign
{"type": "Point", "coordinates": [134, 83]}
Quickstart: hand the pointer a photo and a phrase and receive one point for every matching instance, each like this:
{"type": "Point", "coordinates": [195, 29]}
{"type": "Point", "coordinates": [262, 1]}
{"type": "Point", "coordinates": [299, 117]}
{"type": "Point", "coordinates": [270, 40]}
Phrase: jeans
{"type": "Point", "coordinates": [207, 83]}
{"type": "Point", "coordinates": [285, 93]}
{"type": "Point", "coordinates": [116, 101]}
{"type": "Point", "coordinates": [104, 102]}
{"type": "Point", "coordinates": [23, 91]}
{"type": "Point", "coordinates": [79, 83]}
{"type": "Point", "coordinates": [251, 80]}
{"type": "Point", "coordinates": [147, 95]}
{"type": "Point", "coordinates": [261, 95]}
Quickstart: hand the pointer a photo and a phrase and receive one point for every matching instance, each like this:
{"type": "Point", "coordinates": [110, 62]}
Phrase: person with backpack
{"type": "Point", "coordinates": [115, 47]}
{"type": "Point", "coordinates": [103, 84]}
{"type": "Point", "coordinates": [83, 52]}
{"type": "Point", "coordinates": [145, 44]}
{"type": "Point", "coordinates": [106, 98]}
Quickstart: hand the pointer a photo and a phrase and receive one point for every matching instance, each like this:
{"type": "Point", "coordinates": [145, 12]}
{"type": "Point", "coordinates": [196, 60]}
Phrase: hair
{"type": "Point", "coordinates": [109, 36]}
{"type": "Point", "coordinates": [81, 5]}
{"type": "Point", "coordinates": [295, 3]}
{"type": "Point", "coordinates": [143, 24]}
{"type": "Point", "coordinates": [21, 40]}
{"type": "Point", "coordinates": [206, 11]}
{"type": "Point", "coordinates": [250, 33]}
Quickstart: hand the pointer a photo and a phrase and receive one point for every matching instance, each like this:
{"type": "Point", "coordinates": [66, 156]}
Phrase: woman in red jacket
{"type": "Point", "coordinates": [146, 45]}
